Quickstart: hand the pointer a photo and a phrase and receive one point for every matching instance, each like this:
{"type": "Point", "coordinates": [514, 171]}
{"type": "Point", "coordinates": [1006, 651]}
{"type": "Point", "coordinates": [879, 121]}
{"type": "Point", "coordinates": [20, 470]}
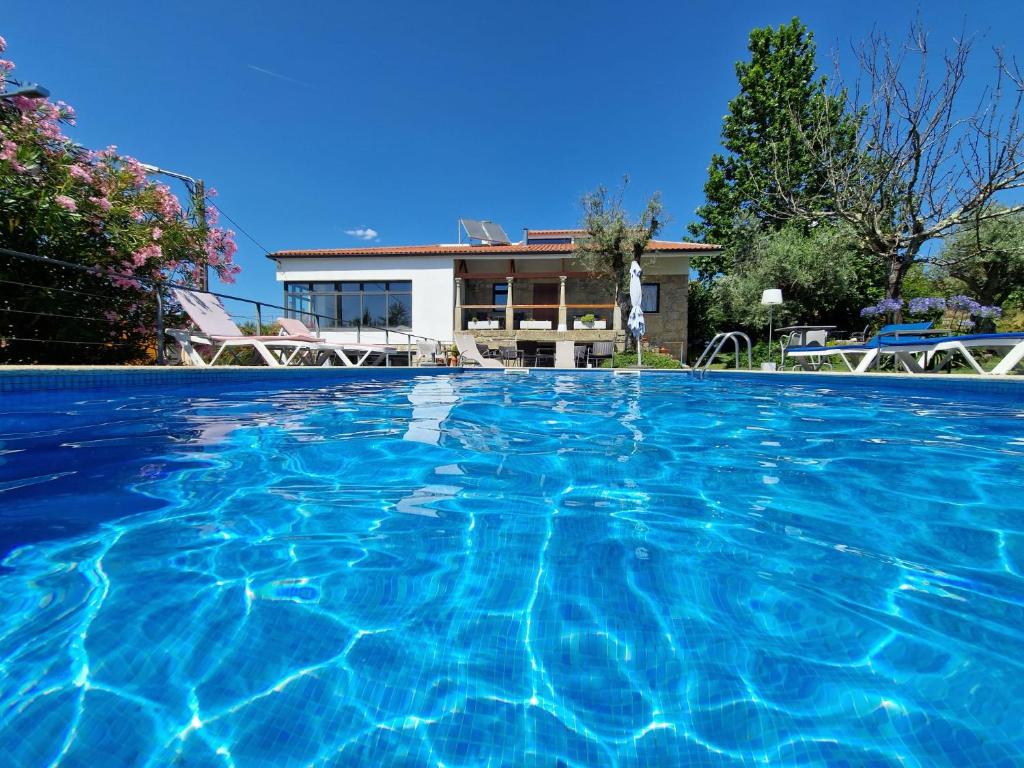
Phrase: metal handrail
{"type": "Point", "coordinates": [700, 368]}
{"type": "Point", "coordinates": [157, 287]}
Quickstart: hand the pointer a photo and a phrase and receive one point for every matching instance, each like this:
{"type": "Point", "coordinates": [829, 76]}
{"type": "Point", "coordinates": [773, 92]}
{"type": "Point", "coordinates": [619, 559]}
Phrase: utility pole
{"type": "Point", "coordinates": [199, 205]}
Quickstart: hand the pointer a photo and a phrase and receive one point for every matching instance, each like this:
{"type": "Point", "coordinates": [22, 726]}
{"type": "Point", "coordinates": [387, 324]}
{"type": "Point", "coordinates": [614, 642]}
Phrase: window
{"type": "Point", "coordinates": [385, 304]}
{"type": "Point", "coordinates": [499, 294]}
{"type": "Point", "coordinates": [650, 297]}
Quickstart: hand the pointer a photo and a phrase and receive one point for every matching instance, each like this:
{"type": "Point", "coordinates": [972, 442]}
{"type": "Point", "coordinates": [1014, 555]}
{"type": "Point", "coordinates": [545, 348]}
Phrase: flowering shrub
{"type": "Point", "coordinates": [958, 310]}
{"type": "Point", "coordinates": [95, 208]}
{"type": "Point", "coordinates": [927, 306]}
{"type": "Point", "coordinates": [882, 308]}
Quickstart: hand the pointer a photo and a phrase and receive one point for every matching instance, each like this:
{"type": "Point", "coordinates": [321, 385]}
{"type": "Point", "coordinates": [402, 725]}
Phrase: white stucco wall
{"type": "Point", "coordinates": [433, 287]}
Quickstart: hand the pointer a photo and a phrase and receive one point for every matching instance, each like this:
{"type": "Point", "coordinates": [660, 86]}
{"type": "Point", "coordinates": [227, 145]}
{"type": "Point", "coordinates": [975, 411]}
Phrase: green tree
{"type": "Point", "coordinates": [613, 241]}
{"type": "Point", "coordinates": [92, 208]}
{"type": "Point", "coordinates": [823, 275]}
{"type": "Point", "coordinates": [780, 97]}
{"type": "Point", "coordinates": [987, 257]}
{"type": "Point", "coordinates": [929, 159]}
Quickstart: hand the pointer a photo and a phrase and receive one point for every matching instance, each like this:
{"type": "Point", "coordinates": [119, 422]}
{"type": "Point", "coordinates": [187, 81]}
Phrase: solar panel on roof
{"type": "Point", "coordinates": [495, 233]}
{"type": "Point", "coordinates": [486, 231]}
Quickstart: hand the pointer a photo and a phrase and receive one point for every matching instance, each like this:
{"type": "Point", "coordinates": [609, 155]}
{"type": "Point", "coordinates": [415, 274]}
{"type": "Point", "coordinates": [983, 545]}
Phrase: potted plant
{"type": "Point", "coordinates": [589, 322]}
{"type": "Point", "coordinates": [482, 325]}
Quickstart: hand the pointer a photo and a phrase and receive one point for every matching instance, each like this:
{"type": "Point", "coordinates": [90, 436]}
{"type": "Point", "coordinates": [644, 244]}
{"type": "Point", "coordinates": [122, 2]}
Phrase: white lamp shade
{"type": "Point", "coordinates": [771, 296]}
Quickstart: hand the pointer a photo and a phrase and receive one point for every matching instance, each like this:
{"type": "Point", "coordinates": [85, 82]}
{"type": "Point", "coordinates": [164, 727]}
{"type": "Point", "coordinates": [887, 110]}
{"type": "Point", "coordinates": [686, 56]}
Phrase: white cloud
{"type": "Point", "coordinates": [363, 233]}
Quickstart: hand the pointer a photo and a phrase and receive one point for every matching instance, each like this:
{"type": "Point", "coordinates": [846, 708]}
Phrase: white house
{"type": "Point", "coordinates": [531, 292]}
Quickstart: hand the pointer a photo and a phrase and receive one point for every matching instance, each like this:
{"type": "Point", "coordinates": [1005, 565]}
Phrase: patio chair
{"type": "Point", "coordinates": [468, 353]}
{"type": "Point", "coordinates": [579, 355]}
{"type": "Point", "coordinates": [868, 352]}
{"type": "Point", "coordinates": [599, 351]}
{"type": "Point", "coordinates": [218, 331]}
{"type": "Point", "coordinates": [351, 355]}
{"type": "Point", "coordinates": [427, 353]}
{"type": "Point", "coordinates": [510, 355]}
{"type": "Point", "coordinates": [815, 338]}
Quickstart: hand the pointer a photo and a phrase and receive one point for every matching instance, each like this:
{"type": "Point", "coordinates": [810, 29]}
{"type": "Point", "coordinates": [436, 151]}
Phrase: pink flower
{"type": "Point", "coordinates": [101, 202]}
{"type": "Point", "coordinates": [80, 172]}
{"type": "Point", "coordinates": [142, 255]}
{"type": "Point", "coordinates": [137, 172]}
{"type": "Point", "coordinates": [166, 202]}
{"type": "Point", "coordinates": [6, 65]}
{"type": "Point", "coordinates": [157, 232]}
{"type": "Point", "coordinates": [8, 151]}
{"type": "Point", "coordinates": [66, 112]}
{"type": "Point", "coordinates": [137, 215]}
{"type": "Point", "coordinates": [65, 202]}
{"type": "Point", "coordinates": [3, 44]}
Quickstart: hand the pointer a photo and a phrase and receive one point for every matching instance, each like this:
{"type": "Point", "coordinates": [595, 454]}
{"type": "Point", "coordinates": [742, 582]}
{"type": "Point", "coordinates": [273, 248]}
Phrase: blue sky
{"type": "Point", "coordinates": [315, 119]}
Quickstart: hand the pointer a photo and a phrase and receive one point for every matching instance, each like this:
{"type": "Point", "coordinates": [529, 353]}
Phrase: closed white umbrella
{"type": "Point", "coordinates": [636, 323]}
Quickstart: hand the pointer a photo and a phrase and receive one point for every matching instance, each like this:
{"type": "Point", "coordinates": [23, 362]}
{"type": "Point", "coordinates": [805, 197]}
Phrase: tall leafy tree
{"type": "Point", "coordinates": [987, 257]}
{"type": "Point", "coordinates": [930, 158]}
{"type": "Point", "coordinates": [614, 240]}
{"type": "Point", "coordinates": [781, 96]}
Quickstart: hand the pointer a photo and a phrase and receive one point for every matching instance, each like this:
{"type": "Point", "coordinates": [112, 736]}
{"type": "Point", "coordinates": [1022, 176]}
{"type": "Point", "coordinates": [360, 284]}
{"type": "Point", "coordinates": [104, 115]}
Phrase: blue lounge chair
{"type": "Point", "coordinates": [868, 351]}
{"type": "Point", "coordinates": [928, 349]}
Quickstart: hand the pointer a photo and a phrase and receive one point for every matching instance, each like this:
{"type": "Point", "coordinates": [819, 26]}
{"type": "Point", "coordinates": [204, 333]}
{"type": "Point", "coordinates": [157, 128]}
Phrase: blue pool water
{"type": "Point", "coordinates": [545, 570]}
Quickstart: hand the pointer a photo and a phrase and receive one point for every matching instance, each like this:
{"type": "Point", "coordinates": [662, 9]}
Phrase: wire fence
{"type": "Point", "coordinates": [57, 312]}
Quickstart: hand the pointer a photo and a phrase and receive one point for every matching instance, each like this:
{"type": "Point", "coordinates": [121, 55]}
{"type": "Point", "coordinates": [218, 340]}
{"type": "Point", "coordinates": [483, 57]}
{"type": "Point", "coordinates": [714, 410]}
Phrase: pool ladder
{"type": "Point", "coordinates": [700, 368]}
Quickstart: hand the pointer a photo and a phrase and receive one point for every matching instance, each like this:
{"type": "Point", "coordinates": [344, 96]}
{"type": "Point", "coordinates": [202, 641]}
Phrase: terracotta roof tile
{"type": "Point", "coordinates": [657, 246]}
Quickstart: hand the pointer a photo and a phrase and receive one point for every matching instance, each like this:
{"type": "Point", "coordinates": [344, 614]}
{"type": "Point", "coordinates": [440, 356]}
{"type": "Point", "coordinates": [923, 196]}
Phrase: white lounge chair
{"type": "Point", "coordinates": [218, 330]}
{"type": "Point", "coordinates": [468, 352]}
{"type": "Point", "coordinates": [350, 355]}
{"type": "Point", "coordinates": [928, 349]}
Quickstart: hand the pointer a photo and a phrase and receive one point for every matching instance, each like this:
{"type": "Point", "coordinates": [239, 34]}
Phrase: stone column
{"type": "Point", "coordinates": [561, 303]}
{"type": "Point", "coordinates": [458, 304]}
{"type": "Point", "coordinates": [510, 319]}
{"type": "Point", "coordinates": [616, 313]}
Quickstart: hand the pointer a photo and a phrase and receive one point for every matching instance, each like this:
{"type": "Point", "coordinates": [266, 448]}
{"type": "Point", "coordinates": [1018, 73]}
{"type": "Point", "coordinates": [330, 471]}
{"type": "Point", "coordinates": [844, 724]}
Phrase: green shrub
{"type": "Point", "coordinates": [651, 360]}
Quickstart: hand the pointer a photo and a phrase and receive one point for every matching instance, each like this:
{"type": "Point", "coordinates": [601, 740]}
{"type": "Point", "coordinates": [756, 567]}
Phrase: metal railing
{"type": "Point", "coordinates": [700, 368]}
{"type": "Point", "coordinates": [156, 289]}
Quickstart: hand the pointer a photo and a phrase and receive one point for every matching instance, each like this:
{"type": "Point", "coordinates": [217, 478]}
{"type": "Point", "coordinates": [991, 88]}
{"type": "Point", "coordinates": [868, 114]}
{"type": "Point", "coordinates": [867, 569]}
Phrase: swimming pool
{"type": "Point", "coordinates": [477, 569]}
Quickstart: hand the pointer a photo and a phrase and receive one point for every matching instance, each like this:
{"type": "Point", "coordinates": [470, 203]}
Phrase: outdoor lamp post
{"type": "Point", "coordinates": [28, 90]}
{"type": "Point", "coordinates": [198, 191]}
{"type": "Point", "coordinates": [771, 297]}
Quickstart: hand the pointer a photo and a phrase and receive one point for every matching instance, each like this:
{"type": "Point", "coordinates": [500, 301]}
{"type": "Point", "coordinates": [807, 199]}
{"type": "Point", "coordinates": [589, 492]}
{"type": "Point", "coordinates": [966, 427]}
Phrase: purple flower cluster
{"type": "Point", "coordinates": [961, 303]}
{"type": "Point", "coordinates": [927, 306]}
{"type": "Point", "coordinates": [992, 312]}
{"type": "Point", "coordinates": [884, 307]}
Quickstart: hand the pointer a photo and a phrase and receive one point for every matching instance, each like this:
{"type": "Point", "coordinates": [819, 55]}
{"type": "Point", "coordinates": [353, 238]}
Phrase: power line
{"type": "Point", "coordinates": [238, 226]}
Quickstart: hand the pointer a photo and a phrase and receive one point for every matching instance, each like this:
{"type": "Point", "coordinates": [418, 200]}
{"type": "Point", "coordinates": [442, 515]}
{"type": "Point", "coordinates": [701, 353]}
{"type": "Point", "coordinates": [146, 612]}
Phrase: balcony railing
{"type": "Point", "coordinates": [501, 316]}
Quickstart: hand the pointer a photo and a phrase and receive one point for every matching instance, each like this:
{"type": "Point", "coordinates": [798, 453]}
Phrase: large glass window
{"type": "Point", "coordinates": [650, 300]}
{"type": "Point", "coordinates": [384, 304]}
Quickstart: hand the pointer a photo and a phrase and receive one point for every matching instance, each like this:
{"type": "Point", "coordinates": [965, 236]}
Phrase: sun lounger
{"type": "Point", "coordinates": [468, 353]}
{"type": "Point", "coordinates": [350, 355]}
{"type": "Point", "coordinates": [217, 330]}
{"type": "Point", "coordinates": [860, 357]}
{"type": "Point", "coordinates": [929, 350]}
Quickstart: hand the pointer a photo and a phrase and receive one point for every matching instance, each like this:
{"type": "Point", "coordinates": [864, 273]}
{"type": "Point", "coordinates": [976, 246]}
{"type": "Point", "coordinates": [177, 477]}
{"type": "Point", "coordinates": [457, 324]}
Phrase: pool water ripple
{"type": "Point", "coordinates": [475, 569]}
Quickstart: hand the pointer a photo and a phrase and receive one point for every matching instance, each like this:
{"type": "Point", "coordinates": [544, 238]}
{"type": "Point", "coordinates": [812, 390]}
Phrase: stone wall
{"type": "Point", "coordinates": [667, 327]}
